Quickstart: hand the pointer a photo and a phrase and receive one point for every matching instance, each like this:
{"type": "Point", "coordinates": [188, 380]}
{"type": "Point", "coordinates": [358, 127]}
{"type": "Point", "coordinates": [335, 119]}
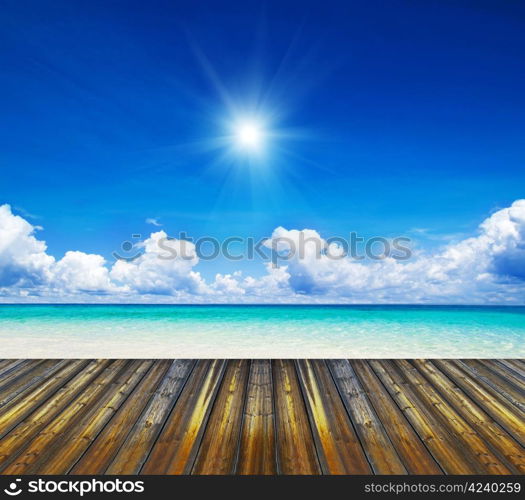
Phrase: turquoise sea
{"type": "Point", "coordinates": [166, 331]}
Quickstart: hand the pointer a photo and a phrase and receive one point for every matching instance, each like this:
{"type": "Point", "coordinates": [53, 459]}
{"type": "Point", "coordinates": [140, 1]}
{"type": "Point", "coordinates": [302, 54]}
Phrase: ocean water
{"type": "Point", "coordinates": [149, 331]}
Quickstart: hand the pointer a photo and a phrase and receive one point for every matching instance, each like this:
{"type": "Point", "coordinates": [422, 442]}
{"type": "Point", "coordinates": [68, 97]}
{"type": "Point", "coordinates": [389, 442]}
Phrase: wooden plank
{"type": "Point", "coordinates": [24, 383]}
{"type": "Point", "coordinates": [302, 417]}
{"type": "Point", "coordinates": [6, 362]}
{"type": "Point", "coordinates": [9, 365]}
{"type": "Point", "coordinates": [296, 452]}
{"type": "Point", "coordinates": [21, 459]}
{"type": "Point", "coordinates": [99, 455]}
{"type": "Point", "coordinates": [257, 442]}
{"type": "Point", "coordinates": [505, 374]}
{"type": "Point", "coordinates": [220, 443]}
{"type": "Point", "coordinates": [176, 448]}
{"type": "Point", "coordinates": [514, 366]}
{"type": "Point", "coordinates": [18, 409]}
{"type": "Point", "coordinates": [80, 436]}
{"type": "Point", "coordinates": [450, 455]}
{"type": "Point", "coordinates": [338, 447]}
{"type": "Point", "coordinates": [14, 442]}
{"type": "Point", "coordinates": [501, 410]}
{"type": "Point", "coordinates": [18, 371]}
{"type": "Point", "coordinates": [142, 436]}
{"type": "Point", "coordinates": [488, 376]}
{"type": "Point", "coordinates": [375, 441]}
{"type": "Point", "coordinates": [451, 419]}
{"type": "Point", "coordinates": [491, 431]}
{"type": "Point", "coordinates": [407, 443]}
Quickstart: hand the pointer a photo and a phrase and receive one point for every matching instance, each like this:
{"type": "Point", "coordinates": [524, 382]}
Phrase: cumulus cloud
{"type": "Point", "coordinates": [27, 268]}
{"type": "Point", "coordinates": [78, 271]}
{"type": "Point", "coordinates": [229, 284]}
{"type": "Point", "coordinates": [23, 259]}
{"type": "Point", "coordinates": [165, 267]}
{"type": "Point", "coordinates": [486, 268]}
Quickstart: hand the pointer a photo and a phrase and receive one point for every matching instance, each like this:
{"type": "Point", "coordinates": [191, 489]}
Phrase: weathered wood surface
{"type": "Point", "coordinates": [262, 417]}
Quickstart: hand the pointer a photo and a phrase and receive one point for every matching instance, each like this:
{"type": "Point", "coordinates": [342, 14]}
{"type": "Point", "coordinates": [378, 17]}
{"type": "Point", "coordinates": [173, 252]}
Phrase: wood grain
{"type": "Point", "coordinates": [380, 451]}
{"type": "Point", "coordinates": [142, 436]}
{"type": "Point", "coordinates": [220, 443]}
{"type": "Point", "coordinates": [295, 453]}
{"type": "Point", "coordinates": [262, 417]}
{"type": "Point", "coordinates": [257, 442]}
{"type": "Point", "coordinates": [175, 450]}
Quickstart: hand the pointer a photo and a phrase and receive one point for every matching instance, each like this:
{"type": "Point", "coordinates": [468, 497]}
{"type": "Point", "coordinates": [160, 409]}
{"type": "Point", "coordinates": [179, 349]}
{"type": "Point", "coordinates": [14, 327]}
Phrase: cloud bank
{"type": "Point", "coordinates": [486, 268]}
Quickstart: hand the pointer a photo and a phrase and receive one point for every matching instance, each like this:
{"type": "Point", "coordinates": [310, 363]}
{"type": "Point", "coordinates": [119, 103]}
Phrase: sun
{"type": "Point", "coordinates": [249, 135]}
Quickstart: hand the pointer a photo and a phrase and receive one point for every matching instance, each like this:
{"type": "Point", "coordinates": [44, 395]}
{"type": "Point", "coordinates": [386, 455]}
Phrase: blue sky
{"type": "Point", "coordinates": [387, 116]}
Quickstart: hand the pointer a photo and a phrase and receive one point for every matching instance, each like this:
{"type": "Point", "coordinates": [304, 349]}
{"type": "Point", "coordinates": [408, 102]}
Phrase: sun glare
{"type": "Point", "coordinates": [249, 135]}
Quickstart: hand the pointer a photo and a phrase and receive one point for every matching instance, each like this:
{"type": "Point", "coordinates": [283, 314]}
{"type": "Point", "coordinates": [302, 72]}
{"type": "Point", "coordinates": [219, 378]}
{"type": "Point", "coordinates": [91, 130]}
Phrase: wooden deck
{"type": "Point", "coordinates": [262, 417]}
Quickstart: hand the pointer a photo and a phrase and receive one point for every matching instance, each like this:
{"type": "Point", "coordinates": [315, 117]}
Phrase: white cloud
{"type": "Point", "coordinates": [153, 222]}
{"type": "Point", "coordinates": [165, 267]}
{"type": "Point", "coordinates": [228, 284]}
{"type": "Point", "coordinates": [78, 271]}
{"type": "Point", "coordinates": [25, 266]}
{"type": "Point", "coordinates": [23, 259]}
{"type": "Point", "coordinates": [487, 268]}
